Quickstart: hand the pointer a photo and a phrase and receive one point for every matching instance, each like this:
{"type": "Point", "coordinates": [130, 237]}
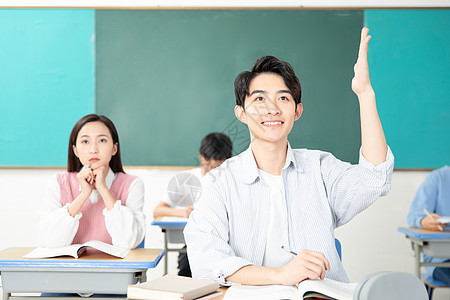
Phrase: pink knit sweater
{"type": "Point", "coordinates": [92, 224]}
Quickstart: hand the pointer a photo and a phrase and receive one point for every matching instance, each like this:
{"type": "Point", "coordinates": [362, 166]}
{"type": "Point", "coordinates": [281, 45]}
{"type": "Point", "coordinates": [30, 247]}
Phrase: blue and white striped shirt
{"type": "Point", "coordinates": [228, 228]}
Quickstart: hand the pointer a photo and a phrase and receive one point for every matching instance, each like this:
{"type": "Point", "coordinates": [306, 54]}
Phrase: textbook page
{"type": "Point", "coordinates": [41, 252]}
{"type": "Point", "coordinates": [327, 287]}
{"type": "Point", "coordinates": [262, 292]}
{"type": "Point", "coordinates": [443, 220]}
{"type": "Point", "coordinates": [77, 249]}
{"type": "Point", "coordinates": [107, 248]}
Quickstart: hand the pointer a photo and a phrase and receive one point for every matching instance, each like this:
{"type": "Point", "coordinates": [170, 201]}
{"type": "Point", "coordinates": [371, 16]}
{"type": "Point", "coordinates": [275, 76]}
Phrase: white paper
{"type": "Point", "coordinates": [443, 220]}
{"type": "Point", "coordinates": [263, 292]}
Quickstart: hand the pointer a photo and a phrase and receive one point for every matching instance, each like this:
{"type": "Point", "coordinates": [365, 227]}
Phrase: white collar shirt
{"type": "Point", "coordinates": [228, 227]}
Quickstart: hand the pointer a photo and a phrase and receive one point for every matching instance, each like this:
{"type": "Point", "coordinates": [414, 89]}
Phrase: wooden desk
{"type": "Point", "coordinates": [223, 289]}
{"type": "Point", "coordinates": [91, 273]}
{"type": "Point", "coordinates": [431, 243]}
{"type": "Point", "coordinates": [173, 233]}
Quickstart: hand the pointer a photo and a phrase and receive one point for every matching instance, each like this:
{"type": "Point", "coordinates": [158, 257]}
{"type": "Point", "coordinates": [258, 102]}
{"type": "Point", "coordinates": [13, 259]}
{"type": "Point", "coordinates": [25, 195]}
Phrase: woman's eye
{"type": "Point", "coordinates": [103, 141]}
{"type": "Point", "coordinates": [84, 142]}
{"type": "Point", "coordinates": [284, 98]}
{"type": "Point", "coordinates": [259, 99]}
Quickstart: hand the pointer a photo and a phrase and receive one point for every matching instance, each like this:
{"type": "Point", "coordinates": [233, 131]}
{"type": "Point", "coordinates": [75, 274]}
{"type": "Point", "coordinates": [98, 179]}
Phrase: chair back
{"type": "Point", "coordinates": [141, 245]}
{"type": "Point", "coordinates": [338, 248]}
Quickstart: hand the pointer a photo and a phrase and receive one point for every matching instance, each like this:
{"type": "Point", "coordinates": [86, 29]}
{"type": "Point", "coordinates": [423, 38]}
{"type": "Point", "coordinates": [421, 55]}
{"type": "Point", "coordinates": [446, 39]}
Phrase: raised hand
{"type": "Point", "coordinates": [361, 80]}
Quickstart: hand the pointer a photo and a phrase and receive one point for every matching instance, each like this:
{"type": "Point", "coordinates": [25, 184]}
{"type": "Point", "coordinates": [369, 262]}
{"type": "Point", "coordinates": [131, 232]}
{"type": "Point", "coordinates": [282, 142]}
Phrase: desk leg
{"type": "Point", "coordinates": [166, 259]}
{"type": "Point", "coordinates": [6, 295]}
{"type": "Point", "coordinates": [417, 251]}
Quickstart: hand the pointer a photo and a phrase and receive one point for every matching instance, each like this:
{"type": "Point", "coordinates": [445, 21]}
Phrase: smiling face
{"type": "Point", "coordinates": [94, 144]}
{"type": "Point", "coordinates": [270, 109]}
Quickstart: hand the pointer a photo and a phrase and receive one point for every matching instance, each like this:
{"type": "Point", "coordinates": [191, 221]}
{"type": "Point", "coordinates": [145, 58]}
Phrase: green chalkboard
{"type": "Point", "coordinates": [165, 77]}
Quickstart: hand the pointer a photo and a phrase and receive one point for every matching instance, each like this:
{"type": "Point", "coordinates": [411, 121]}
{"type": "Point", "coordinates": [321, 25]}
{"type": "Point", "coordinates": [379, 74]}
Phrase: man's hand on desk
{"type": "Point", "coordinates": [306, 265]}
{"type": "Point", "coordinates": [430, 223]}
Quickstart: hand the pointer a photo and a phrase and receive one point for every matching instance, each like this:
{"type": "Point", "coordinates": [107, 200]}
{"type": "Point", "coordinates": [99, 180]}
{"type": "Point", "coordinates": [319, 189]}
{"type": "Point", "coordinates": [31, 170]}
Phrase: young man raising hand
{"type": "Point", "coordinates": [267, 216]}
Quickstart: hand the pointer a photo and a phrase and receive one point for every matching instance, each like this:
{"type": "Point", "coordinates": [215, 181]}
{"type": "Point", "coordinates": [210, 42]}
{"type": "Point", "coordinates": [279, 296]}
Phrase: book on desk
{"type": "Point", "coordinates": [307, 289]}
{"type": "Point", "coordinates": [77, 249]}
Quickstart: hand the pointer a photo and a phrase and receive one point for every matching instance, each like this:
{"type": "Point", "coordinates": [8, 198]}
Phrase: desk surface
{"type": "Point", "coordinates": [159, 222]}
{"type": "Point", "coordinates": [135, 259]}
{"type": "Point", "coordinates": [223, 289]}
{"type": "Point", "coordinates": [419, 233]}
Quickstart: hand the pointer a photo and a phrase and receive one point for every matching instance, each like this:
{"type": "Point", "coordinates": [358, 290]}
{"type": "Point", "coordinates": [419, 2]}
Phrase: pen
{"type": "Point", "coordinates": [286, 249]}
{"type": "Point", "coordinates": [439, 226]}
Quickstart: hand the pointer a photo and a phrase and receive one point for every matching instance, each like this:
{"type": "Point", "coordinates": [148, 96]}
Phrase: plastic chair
{"type": "Point", "coordinates": [431, 283]}
{"type": "Point", "coordinates": [141, 245]}
{"type": "Point", "coordinates": [338, 248]}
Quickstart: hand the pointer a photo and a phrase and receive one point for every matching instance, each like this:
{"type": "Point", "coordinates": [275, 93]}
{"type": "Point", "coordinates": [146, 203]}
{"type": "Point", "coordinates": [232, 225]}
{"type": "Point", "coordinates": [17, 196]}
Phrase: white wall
{"type": "Point", "coordinates": [370, 241]}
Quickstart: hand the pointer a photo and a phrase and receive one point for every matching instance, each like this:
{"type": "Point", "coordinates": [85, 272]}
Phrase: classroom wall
{"type": "Point", "coordinates": [370, 241]}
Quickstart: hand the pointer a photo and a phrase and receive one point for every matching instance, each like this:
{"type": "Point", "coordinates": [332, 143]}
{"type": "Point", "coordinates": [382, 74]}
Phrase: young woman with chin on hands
{"type": "Point", "coordinates": [94, 199]}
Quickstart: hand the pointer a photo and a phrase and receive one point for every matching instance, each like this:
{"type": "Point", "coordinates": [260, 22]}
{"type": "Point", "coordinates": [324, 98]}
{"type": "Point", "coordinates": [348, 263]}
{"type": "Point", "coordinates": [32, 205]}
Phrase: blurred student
{"type": "Point", "coordinates": [215, 148]}
{"type": "Point", "coordinates": [433, 196]}
{"type": "Point", "coordinates": [94, 199]}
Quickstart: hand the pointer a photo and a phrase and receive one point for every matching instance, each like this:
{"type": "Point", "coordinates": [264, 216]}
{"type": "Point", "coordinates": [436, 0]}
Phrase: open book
{"type": "Point", "coordinates": [322, 289]}
{"type": "Point", "coordinates": [76, 250]}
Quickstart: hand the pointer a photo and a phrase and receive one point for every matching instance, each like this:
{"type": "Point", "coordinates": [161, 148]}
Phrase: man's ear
{"type": "Point", "coordinates": [114, 149]}
{"type": "Point", "coordinates": [298, 111]}
{"type": "Point", "coordinates": [240, 114]}
{"type": "Point", "coordinates": [75, 151]}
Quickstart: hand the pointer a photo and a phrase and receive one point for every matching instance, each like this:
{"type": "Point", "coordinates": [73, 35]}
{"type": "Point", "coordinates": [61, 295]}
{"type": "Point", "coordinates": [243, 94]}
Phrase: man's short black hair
{"type": "Point", "coordinates": [217, 146]}
{"type": "Point", "coordinates": [267, 64]}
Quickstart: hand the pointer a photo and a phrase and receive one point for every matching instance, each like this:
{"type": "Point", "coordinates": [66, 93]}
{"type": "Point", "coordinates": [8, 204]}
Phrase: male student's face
{"type": "Point", "coordinates": [270, 109]}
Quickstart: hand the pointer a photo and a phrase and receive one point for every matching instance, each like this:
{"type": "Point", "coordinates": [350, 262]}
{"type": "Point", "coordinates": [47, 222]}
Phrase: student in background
{"type": "Point", "coordinates": [433, 196]}
{"type": "Point", "coordinates": [215, 148]}
{"type": "Point", "coordinates": [267, 216]}
{"type": "Point", "coordinates": [94, 199]}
